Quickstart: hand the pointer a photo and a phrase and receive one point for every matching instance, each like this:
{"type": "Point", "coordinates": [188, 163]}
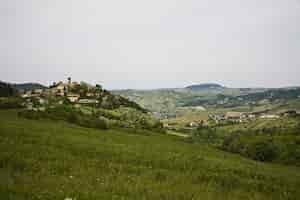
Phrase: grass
{"type": "Point", "coordinates": [43, 159]}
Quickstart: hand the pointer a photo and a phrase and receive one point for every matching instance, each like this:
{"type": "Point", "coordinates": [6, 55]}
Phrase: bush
{"type": "Point", "coordinates": [263, 151]}
{"type": "Point", "coordinates": [291, 154]}
{"type": "Point", "coordinates": [205, 134]}
{"type": "Point", "coordinates": [108, 114]}
{"type": "Point", "coordinates": [261, 148]}
{"type": "Point", "coordinates": [101, 119]}
{"type": "Point", "coordinates": [10, 103]}
{"type": "Point", "coordinates": [67, 113]}
{"type": "Point", "coordinates": [100, 124]}
{"type": "Point", "coordinates": [30, 114]}
{"type": "Point", "coordinates": [73, 118]}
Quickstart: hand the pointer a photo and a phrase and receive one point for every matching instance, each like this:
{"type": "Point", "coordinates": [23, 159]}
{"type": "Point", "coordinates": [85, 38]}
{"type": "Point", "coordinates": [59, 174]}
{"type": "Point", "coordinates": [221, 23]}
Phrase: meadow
{"type": "Point", "coordinates": [45, 159]}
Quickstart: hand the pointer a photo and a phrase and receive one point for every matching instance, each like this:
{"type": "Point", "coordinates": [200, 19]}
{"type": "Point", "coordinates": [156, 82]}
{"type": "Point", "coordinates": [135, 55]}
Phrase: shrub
{"type": "Point", "coordinates": [30, 114]}
{"type": "Point", "coordinates": [205, 134]}
{"type": "Point", "coordinates": [73, 118]}
{"type": "Point", "coordinates": [100, 124]}
{"type": "Point", "coordinates": [291, 154]}
{"type": "Point", "coordinates": [10, 103]}
{"type": "Point", "coordinates": [263, 151]}
{"type": "Point", "coordinates": [88, 121]}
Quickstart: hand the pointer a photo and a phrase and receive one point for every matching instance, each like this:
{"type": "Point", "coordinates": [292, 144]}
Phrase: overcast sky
{"type": "Point", "coordinates": [153, 43]}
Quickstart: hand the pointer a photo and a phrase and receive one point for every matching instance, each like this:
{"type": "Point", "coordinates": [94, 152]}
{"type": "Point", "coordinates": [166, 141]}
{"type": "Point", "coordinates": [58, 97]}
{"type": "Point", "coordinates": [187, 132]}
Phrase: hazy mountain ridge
{"type": "Point", "coordinates": [24, 86]}
{"type": "Point", "coordinates": [168, 101]}
{"type": "Point", "coordinates": [205, 86]}
{"type": "Point", "coordinates": [28, 86]}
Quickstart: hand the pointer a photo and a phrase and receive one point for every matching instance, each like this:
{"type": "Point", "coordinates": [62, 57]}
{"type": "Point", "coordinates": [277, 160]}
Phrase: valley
{"type": "Point", "coordinates": [192, 104]}
{"type": "Point", "coordinates": [73, 140]}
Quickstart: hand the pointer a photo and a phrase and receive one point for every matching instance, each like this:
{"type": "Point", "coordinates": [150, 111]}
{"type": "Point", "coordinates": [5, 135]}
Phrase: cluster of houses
{"type": "Point", "coordinates": [59, 89]}
{"type": "Point", "coordinates": [247, 116]}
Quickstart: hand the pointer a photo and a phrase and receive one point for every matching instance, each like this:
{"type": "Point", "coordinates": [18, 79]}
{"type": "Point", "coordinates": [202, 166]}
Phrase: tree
{"type": "Point", "coordinates": [99, 87]}
{"type": "Point", "coordinates": [263, 150]}
{"type": "Point", "coordinates": [65, 91]}
{"type": "Point", "coordinates": [206, 134]}
{"type": "Point", "coordinates": [7, 90]}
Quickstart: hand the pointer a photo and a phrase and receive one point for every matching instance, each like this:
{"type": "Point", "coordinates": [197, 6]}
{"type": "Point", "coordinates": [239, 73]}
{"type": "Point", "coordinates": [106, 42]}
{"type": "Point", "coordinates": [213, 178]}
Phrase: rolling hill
{"type": "Point", "coordinates": [28, 86]}
{"type": "Point", "coordinates": [40, 159]}
{"type": "Point", "coordinates": [10, 89]}
{"type": "Point", "coordinates": [205, 87]}
{"type": "Point", "coordinates": [169, 102]}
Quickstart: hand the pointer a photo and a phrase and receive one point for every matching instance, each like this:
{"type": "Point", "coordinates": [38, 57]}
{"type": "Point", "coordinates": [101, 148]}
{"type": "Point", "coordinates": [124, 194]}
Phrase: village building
{"type": "Point", "coordinates": [193, 124]}
{"type": "Point", "coordinates": [233, 115]}
{"type": "Point", "coordinates": [73, 97]}
{"type": "Point", "coordinates": [41, 101]}
{"type": "Point", "coordinates": [269, 116]}
{"type": "Point", "coordinates": [251, 116]}
{"type": "Point", "coordinates": [46, 92]}
{"type": "Point", "coordinates": [29, 106]}
{"type": "Point", "coordinates": [26, 94]}
{"type": "Point", "coordinates": [217, 118]}
{"type": "Point", "coordinates": [90, 94]}
{"type": "Point", "coordinates": [38, 91]}
{"type": "Point", "coordinates": [60, 89]}
{"type": "Point", "coordinates": [88, 101]}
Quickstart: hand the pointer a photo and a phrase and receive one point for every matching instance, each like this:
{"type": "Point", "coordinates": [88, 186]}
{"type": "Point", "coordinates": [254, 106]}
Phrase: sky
{"type": "Point", "coordinates": [143, 44]}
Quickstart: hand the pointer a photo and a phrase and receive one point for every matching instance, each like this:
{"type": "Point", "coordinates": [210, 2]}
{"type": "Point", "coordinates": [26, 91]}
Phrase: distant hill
{"type": "Point", "coordinates": [252, 98]}
{"type": "Point", "coordinates": [7, 90]}
{"type": "Point", "coordinates": [22, 86]}
{"type": "Point", "coordinates": [205, 86]}
{"type": "Point", "coordinates": [28, 86]}
{"type": "Point", "coordinates": [169, 102]}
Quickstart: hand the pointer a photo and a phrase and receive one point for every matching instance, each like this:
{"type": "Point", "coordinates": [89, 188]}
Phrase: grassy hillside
{"type": "Point", "coordinates": [269, 140]}
{"type": "Point", "coordinates": [40, 159]}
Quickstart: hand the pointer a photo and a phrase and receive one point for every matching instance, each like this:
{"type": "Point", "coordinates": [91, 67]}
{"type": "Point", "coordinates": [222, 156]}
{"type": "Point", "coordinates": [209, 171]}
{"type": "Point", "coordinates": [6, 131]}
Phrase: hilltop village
{"type": "Point", "coordinates": [82, 104]}
{"type": "Point", "coordinates": [75, 93]}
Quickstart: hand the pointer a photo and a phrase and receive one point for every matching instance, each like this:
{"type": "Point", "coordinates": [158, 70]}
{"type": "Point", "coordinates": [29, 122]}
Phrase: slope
{"type": "Point", "coordinates": [40, 159]}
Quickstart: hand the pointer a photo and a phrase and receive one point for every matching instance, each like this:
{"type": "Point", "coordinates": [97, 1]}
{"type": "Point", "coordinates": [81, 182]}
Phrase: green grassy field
{"type": "Point", "coordinates": [44, 159]}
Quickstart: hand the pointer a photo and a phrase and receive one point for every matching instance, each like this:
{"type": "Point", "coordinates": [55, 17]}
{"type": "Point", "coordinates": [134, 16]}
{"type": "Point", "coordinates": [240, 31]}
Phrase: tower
{"type": "Point", "coordinates": [69, 80]}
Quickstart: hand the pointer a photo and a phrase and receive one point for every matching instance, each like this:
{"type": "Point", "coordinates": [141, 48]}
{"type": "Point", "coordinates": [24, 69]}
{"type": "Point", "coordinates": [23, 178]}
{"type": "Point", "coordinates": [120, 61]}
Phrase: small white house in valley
{"type": "Point", "coordinates": [193, 124]}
